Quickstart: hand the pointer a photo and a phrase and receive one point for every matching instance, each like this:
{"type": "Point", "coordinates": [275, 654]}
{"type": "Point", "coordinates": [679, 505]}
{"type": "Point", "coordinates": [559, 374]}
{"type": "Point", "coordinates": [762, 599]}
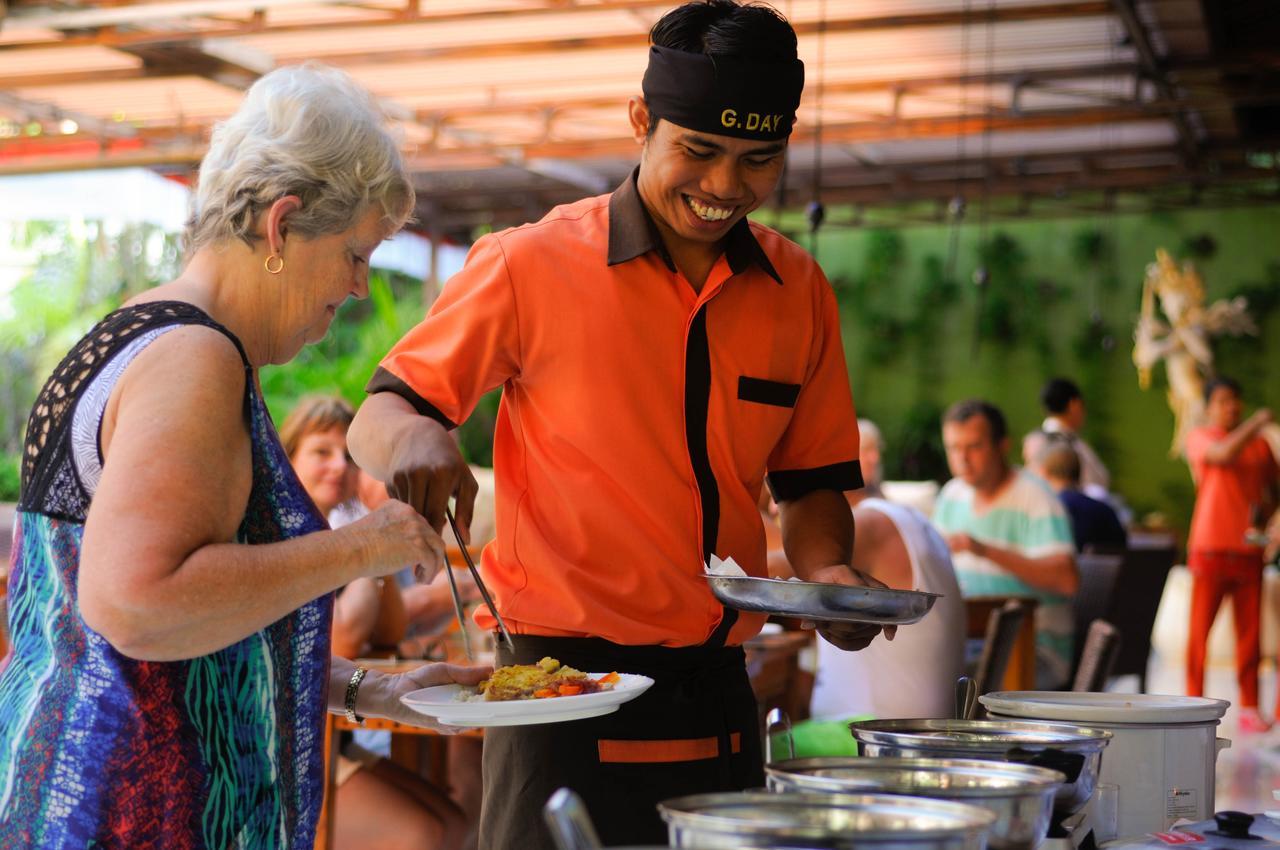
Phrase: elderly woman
{"type": "Point", "coordinates": [171, 583]}
{"type": "Point", "coordinates": [379, 804]}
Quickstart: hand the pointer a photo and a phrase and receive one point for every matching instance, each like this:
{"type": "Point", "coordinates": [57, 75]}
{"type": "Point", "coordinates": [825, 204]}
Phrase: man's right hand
{"type": "Point", "coordinates": [426, 470]}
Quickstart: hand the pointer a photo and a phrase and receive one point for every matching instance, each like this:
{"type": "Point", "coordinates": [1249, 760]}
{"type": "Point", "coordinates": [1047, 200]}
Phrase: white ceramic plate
{"type": "Point", "coordinates": [1104, 708]}
{"type": "Point", "coordinates": [442, 703]}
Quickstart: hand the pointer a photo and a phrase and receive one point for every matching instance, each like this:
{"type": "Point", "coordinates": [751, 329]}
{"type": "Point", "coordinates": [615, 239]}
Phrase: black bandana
{"type": "Point", "coordinates": [724, 95]}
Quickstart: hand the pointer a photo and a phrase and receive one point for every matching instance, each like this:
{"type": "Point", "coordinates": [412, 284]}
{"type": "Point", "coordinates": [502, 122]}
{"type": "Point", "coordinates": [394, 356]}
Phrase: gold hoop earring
{"type": "Point", "coordinates": [266, 264]}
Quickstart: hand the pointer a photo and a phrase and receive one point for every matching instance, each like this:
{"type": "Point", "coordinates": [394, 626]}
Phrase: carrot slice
{"type": "Point", "coordinates": [609, 679]}
{"type": "Point", "coordinates": [544, 693]}
{"type": "Point", "coordinates": [570, 690]}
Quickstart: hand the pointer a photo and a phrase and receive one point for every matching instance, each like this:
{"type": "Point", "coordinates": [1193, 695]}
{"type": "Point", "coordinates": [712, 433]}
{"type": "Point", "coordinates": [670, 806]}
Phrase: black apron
{"type": "Point", "coordinates": [695, 730]}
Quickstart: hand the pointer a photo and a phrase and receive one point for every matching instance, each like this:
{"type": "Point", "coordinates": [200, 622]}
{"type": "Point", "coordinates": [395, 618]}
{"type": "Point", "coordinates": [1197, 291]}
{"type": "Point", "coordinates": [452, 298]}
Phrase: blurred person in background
{"type": "Point", "coordinates": [379, 803]}
{"type": "Point", "coordinates": [870, 451]}
{"type": "Point", "coordinates": [1094, 525]}
{"type": "Point", "coordinates": [171, 589]}
{"type": "Point", "coordinates": [1236, 477]}
{"type": "Point", "coordinates": [1065, 414]}
{"type": "Point", "coordinates": [1008, 533]}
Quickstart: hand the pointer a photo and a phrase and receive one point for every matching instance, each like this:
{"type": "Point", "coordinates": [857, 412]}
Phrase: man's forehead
{"type": "Point", "coordinates": [976, 425]}
{"type": "Point", "coordinates": [729, 144]}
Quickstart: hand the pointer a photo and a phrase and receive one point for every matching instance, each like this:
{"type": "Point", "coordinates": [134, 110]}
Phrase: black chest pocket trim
{"type": "Point", "coordinates": [761, 391]}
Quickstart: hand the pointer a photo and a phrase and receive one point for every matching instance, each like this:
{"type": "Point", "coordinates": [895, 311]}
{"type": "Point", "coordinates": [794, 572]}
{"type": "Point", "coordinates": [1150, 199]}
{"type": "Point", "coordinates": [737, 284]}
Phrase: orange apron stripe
{"type": "Point", "coordinates": [661, 752]}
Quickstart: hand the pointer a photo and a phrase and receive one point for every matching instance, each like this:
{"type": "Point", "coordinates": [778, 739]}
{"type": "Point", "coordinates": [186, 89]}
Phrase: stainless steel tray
{"type": "Point", "coordinates": [822, 602]}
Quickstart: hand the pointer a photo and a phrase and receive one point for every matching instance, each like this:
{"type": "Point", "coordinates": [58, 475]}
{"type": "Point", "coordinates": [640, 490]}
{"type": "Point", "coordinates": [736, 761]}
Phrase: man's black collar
{"type": "Point", "coordinates": [633, 233]}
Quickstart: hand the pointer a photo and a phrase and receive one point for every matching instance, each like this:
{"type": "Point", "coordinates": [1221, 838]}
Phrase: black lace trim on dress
{"type": "Point", "coordinates": [50, 484]}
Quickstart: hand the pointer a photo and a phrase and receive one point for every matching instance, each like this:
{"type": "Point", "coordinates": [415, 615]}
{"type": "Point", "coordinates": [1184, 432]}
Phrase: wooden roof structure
{"type": "Point", "coordinates": [507, 107]}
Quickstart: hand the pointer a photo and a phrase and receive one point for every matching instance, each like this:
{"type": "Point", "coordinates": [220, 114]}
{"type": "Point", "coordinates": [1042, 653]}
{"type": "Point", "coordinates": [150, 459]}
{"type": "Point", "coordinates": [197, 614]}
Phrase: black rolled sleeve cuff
{"type": "Point", "coordinates": [385, 382]}
{"type": "Point", "coordinates": [787, 484]}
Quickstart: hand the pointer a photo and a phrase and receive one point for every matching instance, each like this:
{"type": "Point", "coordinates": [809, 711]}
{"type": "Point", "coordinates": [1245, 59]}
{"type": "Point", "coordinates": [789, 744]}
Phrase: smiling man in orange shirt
{"type": "Point", "coordinates": [660, 355]}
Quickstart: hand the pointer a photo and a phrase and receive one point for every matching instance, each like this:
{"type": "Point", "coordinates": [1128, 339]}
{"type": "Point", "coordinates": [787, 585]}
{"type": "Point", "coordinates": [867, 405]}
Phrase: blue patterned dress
{"type": "Point", "coordinates": [100, 750]}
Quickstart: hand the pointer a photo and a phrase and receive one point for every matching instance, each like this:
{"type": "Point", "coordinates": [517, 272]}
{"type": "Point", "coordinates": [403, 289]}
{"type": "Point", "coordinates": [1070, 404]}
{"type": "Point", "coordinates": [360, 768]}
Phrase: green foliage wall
{"type": "Point", "coordinates": [82, 271]}
{"type": "Point", "coordinates": [1061, 299]}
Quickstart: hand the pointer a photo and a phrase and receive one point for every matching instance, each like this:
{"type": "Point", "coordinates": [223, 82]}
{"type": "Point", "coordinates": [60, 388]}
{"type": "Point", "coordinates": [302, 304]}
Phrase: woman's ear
{"type": "Point", "coordinates": [276, 222]}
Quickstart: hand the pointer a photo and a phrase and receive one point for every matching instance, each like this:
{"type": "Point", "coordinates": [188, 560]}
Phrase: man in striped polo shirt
{"type": "Point", "coordinates": [1008, 533]}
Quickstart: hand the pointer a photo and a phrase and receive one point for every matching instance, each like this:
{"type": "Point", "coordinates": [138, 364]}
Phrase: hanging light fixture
{"type": "Point", "coordinates": [815, 213]}
{"type": "Point", "coordinates": [982, 272]}
{"type": "Point", "coordinates": [957, 206]}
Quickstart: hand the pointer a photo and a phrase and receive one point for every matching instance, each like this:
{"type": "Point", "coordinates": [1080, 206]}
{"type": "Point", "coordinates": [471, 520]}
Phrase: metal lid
{"type": "Point", "coordinates": [1161, 709]}
{"type": "Point", "coordinates": [979, 735]}
{"type": "Point", "coordinates": [868, 817]}
{"type": "Point", "coordinates": [942, 778]}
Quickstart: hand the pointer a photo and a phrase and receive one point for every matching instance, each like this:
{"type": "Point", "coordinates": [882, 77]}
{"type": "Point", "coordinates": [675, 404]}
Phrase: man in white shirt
{"type": "Point", "coordinates": [1065, 414]}
{"type": "Point", "coordinates": [1008, 533]}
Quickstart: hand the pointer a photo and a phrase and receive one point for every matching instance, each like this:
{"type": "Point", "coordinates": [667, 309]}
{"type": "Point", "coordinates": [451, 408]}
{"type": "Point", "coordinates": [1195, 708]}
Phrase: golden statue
{"type": "Point", "coordinates": [1181, 339]}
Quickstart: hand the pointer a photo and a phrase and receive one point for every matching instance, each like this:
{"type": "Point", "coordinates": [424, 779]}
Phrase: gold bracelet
{"type": "Point", "coordinates": [349, 700]}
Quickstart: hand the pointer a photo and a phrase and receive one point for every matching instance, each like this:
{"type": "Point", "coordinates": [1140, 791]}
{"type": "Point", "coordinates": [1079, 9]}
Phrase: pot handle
{"type": "Point", "coordinates": [571, 828]}
{"type": "Point", "coordinates": [778, 718]}
{"type": "Point", "coordinates": [1220, 744]}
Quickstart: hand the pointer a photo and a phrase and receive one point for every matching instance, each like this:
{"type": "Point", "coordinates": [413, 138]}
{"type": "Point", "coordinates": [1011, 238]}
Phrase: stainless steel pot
{"type": "Point", "coordinates": [830, 821]}
{"type": "Point", "coordinates": [1075, 751]}
{"type": "Point", "coordinates": [1020, 796]}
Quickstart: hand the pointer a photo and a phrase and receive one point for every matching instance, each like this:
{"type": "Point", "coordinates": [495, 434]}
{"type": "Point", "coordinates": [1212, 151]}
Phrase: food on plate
{"type": "Point", "coordinates": [545, 680]}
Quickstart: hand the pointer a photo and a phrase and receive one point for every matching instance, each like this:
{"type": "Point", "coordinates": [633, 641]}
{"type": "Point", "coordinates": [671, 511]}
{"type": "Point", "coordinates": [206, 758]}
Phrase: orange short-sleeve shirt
{"type": "Point", "coordinates": [1226, 494]}
{"type": "Point", "coordinates": [638, 417]}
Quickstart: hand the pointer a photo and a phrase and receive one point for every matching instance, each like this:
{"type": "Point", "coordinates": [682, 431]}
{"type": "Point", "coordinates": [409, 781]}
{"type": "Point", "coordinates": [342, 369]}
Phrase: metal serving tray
{"type": "Point", "coordinates": [822, 602]}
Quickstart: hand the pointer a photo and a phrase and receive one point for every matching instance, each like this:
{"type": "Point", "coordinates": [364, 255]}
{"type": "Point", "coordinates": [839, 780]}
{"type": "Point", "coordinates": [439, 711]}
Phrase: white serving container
{"type": "Point", "coordinates": [1161, 760]}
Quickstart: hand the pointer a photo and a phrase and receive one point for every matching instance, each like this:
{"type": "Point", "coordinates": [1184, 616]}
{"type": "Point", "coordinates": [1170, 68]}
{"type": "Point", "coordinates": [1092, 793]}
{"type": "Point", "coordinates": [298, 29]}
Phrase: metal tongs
{"type": "Point", "coordinates": [484, 592]}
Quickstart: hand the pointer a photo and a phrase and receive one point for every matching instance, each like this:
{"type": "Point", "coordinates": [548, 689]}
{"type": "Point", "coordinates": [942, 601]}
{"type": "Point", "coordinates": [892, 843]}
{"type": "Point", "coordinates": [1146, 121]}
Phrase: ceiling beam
{"type": "Point", "coordinates": [1030, 76]}
{"type": "Point", "coordinates": [257, 24]}
{"type": "Point", "coordinates": [188, 156]}
{"type": "Point", "coordinates": [899, 192]}
{"type": "Point", "coordinates": [463, 143]}
{"type": "Point", "coordinates": [184, 139]}
{"type": "Point", "coordinates": [1154, 67]}
{"type": "Point", "coordinates": [38, 110]}
{"type": "Point", "coordinates": [637, 38]}
{"type": "Point", "coordinates": [189, 60]}
{"type": "Point", "coordinates": [113, 15]}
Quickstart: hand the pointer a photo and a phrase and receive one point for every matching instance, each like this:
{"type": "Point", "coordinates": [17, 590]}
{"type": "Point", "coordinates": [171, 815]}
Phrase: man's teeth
{"type": "Point", "coordinates": [707, 213]}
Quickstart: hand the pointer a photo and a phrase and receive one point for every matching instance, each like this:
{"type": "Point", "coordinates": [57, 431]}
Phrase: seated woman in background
{"type": "Point", "coordinates": [914, 674]}
{"type": "Point", "coordinates": [379, 804]}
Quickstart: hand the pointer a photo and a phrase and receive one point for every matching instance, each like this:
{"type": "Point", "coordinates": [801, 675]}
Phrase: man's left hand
{"type": "Point", "coordinates": [848, 636]}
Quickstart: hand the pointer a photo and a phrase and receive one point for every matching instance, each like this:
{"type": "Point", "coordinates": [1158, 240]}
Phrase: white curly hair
{"type": "Point", "coordinates": [307, 130]}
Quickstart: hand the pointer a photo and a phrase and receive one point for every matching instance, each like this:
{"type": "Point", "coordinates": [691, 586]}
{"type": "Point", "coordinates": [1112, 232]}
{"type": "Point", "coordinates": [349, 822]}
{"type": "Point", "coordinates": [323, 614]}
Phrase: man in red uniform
{"type": "Point", "coordinates": [659, 356]}
{"type": "Point", "coordinates": [1235, 474]}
